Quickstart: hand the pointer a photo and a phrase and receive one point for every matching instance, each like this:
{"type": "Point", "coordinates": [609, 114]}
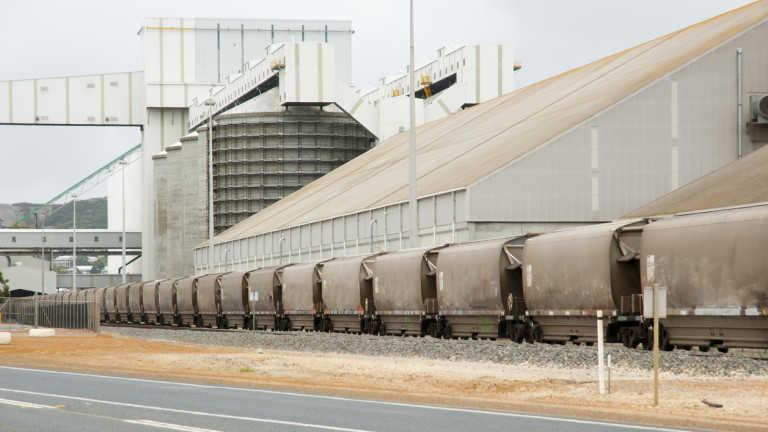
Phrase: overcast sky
{"type": "Point", "coordinates": [52, 38]}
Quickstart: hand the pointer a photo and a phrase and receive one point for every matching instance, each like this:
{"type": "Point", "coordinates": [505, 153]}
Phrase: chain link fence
{"type": "Point", "coordinates": [25, 312]}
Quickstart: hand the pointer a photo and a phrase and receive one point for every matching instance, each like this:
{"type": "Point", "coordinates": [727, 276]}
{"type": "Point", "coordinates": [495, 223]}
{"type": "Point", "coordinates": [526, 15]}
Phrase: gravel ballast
{"type": "Point", "coordinates": [678, 362]}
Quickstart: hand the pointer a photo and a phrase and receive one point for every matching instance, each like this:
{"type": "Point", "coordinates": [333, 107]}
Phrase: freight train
{"type": "Point", "coordinates": [544, 288]}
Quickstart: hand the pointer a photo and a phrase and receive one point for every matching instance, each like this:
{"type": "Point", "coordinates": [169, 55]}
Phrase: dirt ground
{"type": "Point", "coordinates": [489, 386]}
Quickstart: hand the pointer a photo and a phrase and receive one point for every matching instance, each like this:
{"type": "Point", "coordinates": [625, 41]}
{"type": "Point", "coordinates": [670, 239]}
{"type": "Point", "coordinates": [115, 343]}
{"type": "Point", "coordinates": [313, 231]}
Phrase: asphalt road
{"type": "Point", "coordinates": [38, 400]}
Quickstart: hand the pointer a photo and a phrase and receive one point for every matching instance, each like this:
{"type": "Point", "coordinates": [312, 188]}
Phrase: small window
{"type": "Point", "coordinates": [13, 239]}
{"type": "Point", "coordinates": [95, 239]}
{"type": "Point", "coordinates": [70, 239]}
{"type": "Point", "coordinates": [120, 239]}
{"type": "Point", "coordinates": [464, 62]}
{"type": "Point", "coordinates": [45, 239]}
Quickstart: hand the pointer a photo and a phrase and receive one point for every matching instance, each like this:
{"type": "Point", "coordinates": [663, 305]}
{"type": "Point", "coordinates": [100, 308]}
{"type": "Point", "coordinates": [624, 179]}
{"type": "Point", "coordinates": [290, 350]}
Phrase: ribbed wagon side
{"type": "Point", "coordinates": [347, 294]}
{"type": "Point", "coordinates": [135, 303]}
{"type": "Point", "coordinates": [572, 274]}
{"type": "Point", "coordinates": [121, 303]}
{"type": "Point", "coordinates": [100, 295]}
{"type": "Point", "coordinates": [186, 301]}
{"type": "Point", "coordinates": [302, 296]}
{"type": "Point", "coordinates": [208, 293]}
{"type": "Point", "coordinates": [713, 265]}
{"type": "Point", "coordinates": [480, 289]}
{"type": "Point", "coordinates": [405, 289]}
{"type": "Point", "coordinates": [266, 285]}
{"type": "Point", "coordinates": [149, 302]}
{"type": "Point", "coordinates": [234, 299]}
{"type": "Point", "coordinates": [110, 308]}
{"type": "Point", "coordinates": [167, 308]}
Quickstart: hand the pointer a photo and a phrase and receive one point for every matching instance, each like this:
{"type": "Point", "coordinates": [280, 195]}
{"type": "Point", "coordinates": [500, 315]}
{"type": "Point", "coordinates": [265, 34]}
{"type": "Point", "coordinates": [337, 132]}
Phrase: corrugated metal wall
{"type": "Point", "coordinates": [224, 45]}
{"type": "Point", "coordinates": [442, 220]}
{"type": "Point", "coordinates": [677, 129]}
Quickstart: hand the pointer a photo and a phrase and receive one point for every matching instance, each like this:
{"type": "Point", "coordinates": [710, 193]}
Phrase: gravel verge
{"type": "Point", "coordinates": [678, 362]}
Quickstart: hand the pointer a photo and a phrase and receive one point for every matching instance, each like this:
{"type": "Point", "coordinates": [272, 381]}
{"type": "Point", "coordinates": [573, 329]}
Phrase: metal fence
{"type": "Point", "coordinates": [26, 312]}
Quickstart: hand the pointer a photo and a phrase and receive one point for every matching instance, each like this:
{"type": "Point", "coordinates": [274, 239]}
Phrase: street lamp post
{"type": "Point", "coordinates": [123, 163]}
{"type": "Point", "coordinates": [210, 103]}
{"type": "Point", "coordinates": [412, 211]}
{"type": "Point", "coordinates": [74, 242]}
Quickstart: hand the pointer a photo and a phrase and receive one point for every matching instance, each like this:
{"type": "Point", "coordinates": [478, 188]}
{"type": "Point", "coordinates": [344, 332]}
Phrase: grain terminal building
{"type": "Point", "coordinates": [584, 147]}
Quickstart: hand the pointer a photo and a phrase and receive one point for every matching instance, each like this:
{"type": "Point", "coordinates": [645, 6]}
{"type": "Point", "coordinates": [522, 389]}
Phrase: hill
{"type": "Point", "coordinates": [91, 213]}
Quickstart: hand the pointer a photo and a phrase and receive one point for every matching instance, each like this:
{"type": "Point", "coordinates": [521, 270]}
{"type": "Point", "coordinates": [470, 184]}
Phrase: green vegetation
{"type": "Point", "coordinates": [91, 213]}
{"type": "Point", "coordinates": [6, 291]}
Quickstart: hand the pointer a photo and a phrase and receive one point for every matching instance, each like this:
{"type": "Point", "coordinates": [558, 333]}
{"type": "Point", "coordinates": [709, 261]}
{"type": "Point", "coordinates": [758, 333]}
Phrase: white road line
{"type": "Point", "coordinates": [24, 404]}
{"type": "Point", "coordinates": [170, 426]}
{"type": "Point", "coordinates": [368, 401]}
{"type": "Point", "coordinates": [197, 413]}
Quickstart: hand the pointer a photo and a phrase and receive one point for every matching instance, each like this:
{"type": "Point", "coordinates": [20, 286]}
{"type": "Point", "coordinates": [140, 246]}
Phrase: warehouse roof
{"type": "Point", "coordinates": [459, 150]}
{"type": "Point", "coordinates": [743, 181]}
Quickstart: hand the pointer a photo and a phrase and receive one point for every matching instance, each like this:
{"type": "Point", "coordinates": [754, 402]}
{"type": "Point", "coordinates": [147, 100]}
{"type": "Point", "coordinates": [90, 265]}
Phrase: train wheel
{"type": "Point", "coordinates": [624, 336]}
{"type": "Point", "coordinates": [518, 333]}
{"type": "Point", "coordinates": [383, 329]}
{"type": "Point", "coordinates": [723, 350]}
{"type": "Point", "coordinates": [704, 348]}
{"type": "Point", "coordinates": [448, 332]}
{"type": "Point", "coordinates": [538, 336]}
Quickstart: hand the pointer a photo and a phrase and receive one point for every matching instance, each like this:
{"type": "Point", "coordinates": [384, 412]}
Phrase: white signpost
{"type": "Point", "coordinates": [253, 297]}
{"type": "Point", "coordinates": [654, 306]}
{"type": "Point", "coordinates": [600, 351]}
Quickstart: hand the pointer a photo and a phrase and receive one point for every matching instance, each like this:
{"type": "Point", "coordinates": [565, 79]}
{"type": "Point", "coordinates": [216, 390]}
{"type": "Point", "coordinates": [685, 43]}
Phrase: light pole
{"type": "Point", "coordinates": [42, 250]}
{"type": "Point", "coordinates": [123, 163]}
{"type": "Point", "coordinates": [413, 213]}
{"type": "Point", "coordinates": [74, 242]}
{"type": "Point", "coordinates": [210, 103]}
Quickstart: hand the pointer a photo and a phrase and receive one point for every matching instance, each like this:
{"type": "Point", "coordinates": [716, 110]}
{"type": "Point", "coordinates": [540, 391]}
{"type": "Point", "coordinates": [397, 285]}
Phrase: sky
{"type": "Point", "coordinates": [53, 38]}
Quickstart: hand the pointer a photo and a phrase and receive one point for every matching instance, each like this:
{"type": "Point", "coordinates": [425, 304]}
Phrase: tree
{"type": "Point", "coordinates": [6, 291]}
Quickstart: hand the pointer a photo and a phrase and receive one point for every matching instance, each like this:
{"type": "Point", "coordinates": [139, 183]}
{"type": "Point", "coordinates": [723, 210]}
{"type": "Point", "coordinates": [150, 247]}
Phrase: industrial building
{"type": "Point", "coordinates": [584, 147]}
{"type": "Point", "coordinates": [196, 69]}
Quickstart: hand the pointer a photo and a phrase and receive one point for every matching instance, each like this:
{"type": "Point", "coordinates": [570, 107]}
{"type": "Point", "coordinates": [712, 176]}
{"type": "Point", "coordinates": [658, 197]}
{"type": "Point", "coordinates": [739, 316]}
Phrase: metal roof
{"type": "Point", "coordinates": [743, 181]}
{"type": "Point", "coordinates": [461, 149]}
